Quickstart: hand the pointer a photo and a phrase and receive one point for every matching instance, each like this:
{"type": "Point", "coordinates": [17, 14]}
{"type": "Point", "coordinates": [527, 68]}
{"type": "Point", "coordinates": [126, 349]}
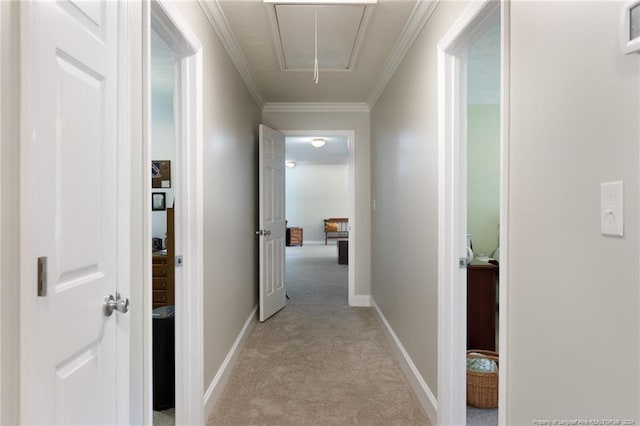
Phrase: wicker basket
{"type": "Point", "coordinates": [482, 387]}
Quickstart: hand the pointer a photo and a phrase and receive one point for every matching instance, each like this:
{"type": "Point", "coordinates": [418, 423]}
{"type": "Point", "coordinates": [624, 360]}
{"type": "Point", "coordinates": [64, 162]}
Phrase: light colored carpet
{"type": "Point", "coordinates": [482, 416]}
{"type": "Point", "coordinates": [164, 418]}
{"type": "Point", "coordinates": [318, 361]}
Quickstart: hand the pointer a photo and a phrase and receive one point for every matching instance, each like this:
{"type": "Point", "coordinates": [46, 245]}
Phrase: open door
{"type": "Point", "coordinates": [75, 335]}
{"type": "Point", "coordinates": [271, 227]}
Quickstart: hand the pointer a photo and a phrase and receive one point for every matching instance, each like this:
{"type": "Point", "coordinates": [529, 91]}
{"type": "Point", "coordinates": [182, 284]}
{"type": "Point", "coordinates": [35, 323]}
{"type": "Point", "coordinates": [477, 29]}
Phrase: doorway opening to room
{"type": "Point", "coordinates": [473, 232]}
{"type": "Point", "coordinates": [172, 330]}
{"type": "Point", "coordinates": [320, 231]}
{"type": "Point", "coordinates": [163, 196]}
{"type": "Point", "coordinates": [483, 223]}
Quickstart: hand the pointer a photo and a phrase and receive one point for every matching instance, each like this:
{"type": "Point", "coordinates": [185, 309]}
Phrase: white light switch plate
{"type": "Point", "coordinates": [611, 209]}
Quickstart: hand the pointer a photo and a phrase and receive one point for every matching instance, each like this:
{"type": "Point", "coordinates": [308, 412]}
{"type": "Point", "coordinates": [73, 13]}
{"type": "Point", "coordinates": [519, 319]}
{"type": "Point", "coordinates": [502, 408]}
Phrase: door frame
{"type": "Point", "coordinates": [353, 299]}
{"type": "Point", "coordinates": [2, 95]}
{"type": "Point", "coordinates": [452, 193]}
{"type": "Point", "coordinates": [169, 23]}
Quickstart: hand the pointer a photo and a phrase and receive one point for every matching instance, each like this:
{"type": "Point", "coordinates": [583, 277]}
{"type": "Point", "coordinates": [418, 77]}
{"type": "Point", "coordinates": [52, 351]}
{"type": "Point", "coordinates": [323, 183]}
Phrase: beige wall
{"type": "Point", "coordinates": [574, 301]}
{"type": "Point", "coordinates": [573, 294]}
{"type": "Point", "coordinates": [315, 192]}
{"type": "Point", "coordinates": [9, 215]}
{"type": "Point", "coordinates": [231, 119]}
{"type": "Point", "coordinates": [404, 139]}
{"type": "Point", "coordinates": [483, 177]}
{"type": "Point", "coordinates": [359, 122]}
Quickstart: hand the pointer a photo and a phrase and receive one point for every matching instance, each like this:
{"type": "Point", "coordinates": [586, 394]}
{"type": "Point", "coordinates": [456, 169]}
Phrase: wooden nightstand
{"type": "Point", "coordinates": [481, 305]}
{"type": "Point", "coordinates": [343, 252]}
{"type": "Point", "coordinates": [294, 236]}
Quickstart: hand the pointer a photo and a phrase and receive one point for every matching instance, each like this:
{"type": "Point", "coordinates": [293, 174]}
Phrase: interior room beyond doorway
{"type": "Point", "coordinates": [164, 154]}
{"type": "Point", "coordinates": [317, 199]}
{"type": "Point", "coordinates": [483, 224]}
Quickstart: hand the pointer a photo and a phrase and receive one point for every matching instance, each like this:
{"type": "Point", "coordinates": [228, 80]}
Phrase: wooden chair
{"type": "Point", "coordinates": [336, 227]}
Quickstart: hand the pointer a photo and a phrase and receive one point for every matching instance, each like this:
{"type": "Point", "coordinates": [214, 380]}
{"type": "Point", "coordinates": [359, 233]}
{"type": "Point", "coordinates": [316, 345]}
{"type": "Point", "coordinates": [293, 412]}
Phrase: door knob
{"type": "Point", "coordinates": [111, 304]}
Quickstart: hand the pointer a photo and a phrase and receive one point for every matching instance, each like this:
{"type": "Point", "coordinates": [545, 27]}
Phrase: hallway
{"type": "Point", "coordinates": [318, 361]}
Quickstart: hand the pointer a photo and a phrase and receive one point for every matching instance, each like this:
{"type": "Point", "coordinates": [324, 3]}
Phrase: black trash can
{"type": "Point", "coordinates": [164, 365]}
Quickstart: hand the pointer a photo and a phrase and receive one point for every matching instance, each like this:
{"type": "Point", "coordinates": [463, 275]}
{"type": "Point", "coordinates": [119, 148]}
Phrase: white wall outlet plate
{"type": "Point", "coordinates": [611, 209]}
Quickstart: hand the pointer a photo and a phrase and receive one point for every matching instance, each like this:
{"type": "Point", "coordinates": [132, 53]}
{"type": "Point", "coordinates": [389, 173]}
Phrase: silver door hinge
{"type": "Point", "coordinates": [462, 263]}
{"type": "Point", "coordinates": [179, 261]}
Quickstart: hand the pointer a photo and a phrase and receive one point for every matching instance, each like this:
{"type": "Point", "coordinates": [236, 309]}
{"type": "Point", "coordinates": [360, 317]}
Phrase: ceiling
{"type": "Point", "coordinates": [300, 150]}
{"type": "Point", "coordinates": [483, 70]}
{"type": "Point", "coordinates": [341, 30]}
{"type": "Point", "coordinates": [359, 46]}
{"type": "Point", "coordinates": [162, 69]}
{"type": "Point", "coordinates": [359, 49]}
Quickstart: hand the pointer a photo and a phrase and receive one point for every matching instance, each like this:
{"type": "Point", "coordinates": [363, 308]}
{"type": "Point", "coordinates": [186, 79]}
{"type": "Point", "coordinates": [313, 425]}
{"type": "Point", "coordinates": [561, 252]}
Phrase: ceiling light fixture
{"type": "Point", "coordinates": [318, 142]}
{"type": "Point", "coordinates": [291, 164]}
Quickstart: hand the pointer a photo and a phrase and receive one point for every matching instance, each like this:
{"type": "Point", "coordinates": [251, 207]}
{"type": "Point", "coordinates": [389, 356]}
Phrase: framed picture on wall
{"type": "Point", "coordinates": [161, 174]}
{"type": "Point", "coordinates": [158, 201]}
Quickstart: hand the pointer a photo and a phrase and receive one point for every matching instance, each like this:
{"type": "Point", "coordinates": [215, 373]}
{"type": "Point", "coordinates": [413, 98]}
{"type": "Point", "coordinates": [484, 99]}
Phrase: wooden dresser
{"type": "Point", "coordinates": [481, 305]}
{"type": "Point", "coordinates": [294, 236]}
{"type": "Point", "coordinates": [164, 268]}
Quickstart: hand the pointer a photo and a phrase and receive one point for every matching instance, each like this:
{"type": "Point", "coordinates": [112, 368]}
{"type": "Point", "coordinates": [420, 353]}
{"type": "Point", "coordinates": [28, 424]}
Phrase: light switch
{"type": "Point", "coordinates": [611, 209]}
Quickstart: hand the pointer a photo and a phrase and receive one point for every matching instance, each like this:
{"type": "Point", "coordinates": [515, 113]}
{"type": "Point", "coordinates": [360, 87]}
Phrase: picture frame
{"type": "Point", "coordinates": [161, 174]}
{"type": "Point", "coordinates": [158, 201]}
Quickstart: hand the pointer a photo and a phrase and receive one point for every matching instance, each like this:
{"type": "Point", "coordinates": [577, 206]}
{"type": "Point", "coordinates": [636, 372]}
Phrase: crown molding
{"type": "Point", "coordinates": [419, 17]}
{"type": "Point", "coordinates": [315, 107]}
{"type": "Point", "coordinates": [215, 15]}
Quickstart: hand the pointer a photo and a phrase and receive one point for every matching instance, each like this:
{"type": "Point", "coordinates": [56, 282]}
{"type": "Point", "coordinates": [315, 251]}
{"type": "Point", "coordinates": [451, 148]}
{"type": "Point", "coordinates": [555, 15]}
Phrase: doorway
{"type": "Point", "coordinates": [483, 223]}
{"type": "Point", "coordinates": [317, 213]}
{"type": "Point", "coordinates": [473, 171]}
{"type": "Point", "coordinates": [175, 181]}
{"type": "Point", "coordinates": [338, 160]}
{"type": "Point", "coordinates": [163, 207]}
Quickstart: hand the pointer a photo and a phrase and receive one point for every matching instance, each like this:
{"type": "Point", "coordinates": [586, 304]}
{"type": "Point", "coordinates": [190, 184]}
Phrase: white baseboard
{"type": "Point", "coordinates": [420, 387]}
{"type": "Point", "coordinates": [359, 300]}
{"type": "Point", "coordinates": [217, 384]}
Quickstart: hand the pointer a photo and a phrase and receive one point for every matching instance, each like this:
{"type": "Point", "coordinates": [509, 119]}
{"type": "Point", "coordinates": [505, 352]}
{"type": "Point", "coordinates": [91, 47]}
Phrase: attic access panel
{"type": "Point", "coordinates": [340, 31]}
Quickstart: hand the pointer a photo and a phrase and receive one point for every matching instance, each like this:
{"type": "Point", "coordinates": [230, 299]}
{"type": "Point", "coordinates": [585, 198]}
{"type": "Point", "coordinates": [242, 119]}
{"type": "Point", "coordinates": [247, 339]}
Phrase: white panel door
{"type": "Point", "coordinates": [272, 224]}
{"type": "Point", "coordinates": [71, 202]}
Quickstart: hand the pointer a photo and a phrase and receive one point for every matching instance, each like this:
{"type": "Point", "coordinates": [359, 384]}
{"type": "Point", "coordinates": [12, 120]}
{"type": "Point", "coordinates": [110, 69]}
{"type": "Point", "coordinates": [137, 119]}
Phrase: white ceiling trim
{"type": "Point", "coordinates": [360, 36]}
{"type": "Point", "coordinates": [419, 17]}
{"type": "Point", "coordinates": [364, 26]}
{"type": "Point", "coordinates": [275, 35]}
{"type": "Point", "coordinates": [315, 107]}
{"type": "Point", "coordinates": [220, 25]}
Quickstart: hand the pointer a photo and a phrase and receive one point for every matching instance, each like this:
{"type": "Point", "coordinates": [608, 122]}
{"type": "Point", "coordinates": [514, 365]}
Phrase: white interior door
{"type": "Point", "coordinates": [272, 226]}
{"type": "Point", "coordinates": [70, 201]}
